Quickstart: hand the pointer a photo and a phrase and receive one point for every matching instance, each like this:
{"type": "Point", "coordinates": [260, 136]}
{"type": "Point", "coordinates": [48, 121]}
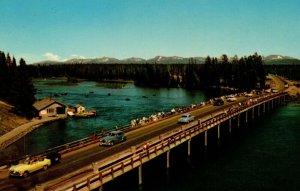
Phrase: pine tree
{"type": "Point", "coordinates": [3, 76]}
{"type": "Point", "coordinates": [22, 91]}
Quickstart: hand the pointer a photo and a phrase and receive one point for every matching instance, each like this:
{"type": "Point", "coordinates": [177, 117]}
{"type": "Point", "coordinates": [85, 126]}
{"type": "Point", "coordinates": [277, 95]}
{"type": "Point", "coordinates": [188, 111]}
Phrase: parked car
{"type": "Point", "coordinates": [112, 138]}
{"type": "Point", "coordinates": [186, 118]}
{"type": "Point", "coordinates": [231, 98]}
{"type": "Point", "coordinates": [29, 165]}
{"type": "Point", "coordinates": [54, 157]}
{"type": "Point", "coordinates": [248, 94]}
{"type": "Point", "coordinates": [218, 102]}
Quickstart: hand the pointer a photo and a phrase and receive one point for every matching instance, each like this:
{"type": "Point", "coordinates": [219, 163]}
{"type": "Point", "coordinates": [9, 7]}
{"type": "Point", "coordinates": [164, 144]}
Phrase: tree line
{"type": "Point", "coordinates": [244, 73]}
{"type": "Point", "coordinates": [290, 71]}
{"type": "Point", "coordinates": [16, 85]}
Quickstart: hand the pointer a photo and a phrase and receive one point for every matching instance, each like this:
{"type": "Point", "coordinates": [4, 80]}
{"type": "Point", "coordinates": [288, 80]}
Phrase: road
{"type": "Point", "coordinates": [278, 83]}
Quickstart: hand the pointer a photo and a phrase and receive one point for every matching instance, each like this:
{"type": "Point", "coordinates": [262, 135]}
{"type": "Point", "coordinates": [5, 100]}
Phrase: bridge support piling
{"type": "Point", "coordinates": [238, 120]}
{"type": "Point", "coordinates": [230, 125]}
{"type": "Point", "coordinates": [264, 107]}
{"type": "Point", "coordinates": [189, 147]}
{"type": "Point", "coordinates": [246, 116]}
{"type": "Point", "coordinates": [168, 159]}
{"type": "Point", "coordinates": [252, 113]}
{"type": "Point", "coordinates": [140, 175]}
{"type": "Point", "coordinates": [205, 139]}
{"type": "Point", "coordinates": [219, 132]}
{"type": "Point", "coordinates": [272, 104]}
{"type": "Point", "coordinates": [258, 110]}
{"type": "Point", "coordinates": [101, 181]}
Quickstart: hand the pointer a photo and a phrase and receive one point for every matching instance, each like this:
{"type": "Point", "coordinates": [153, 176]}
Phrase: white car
{"type": "Point", "coordinates": [186, 118]}
{"type": "Point", "coordinates": [231, 98]}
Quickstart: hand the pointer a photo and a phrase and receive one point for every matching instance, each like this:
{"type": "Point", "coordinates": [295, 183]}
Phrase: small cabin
{"type": "Point", "coordinates": [49, 107]}
{"type": "Point", "coordinates": [79, 109]}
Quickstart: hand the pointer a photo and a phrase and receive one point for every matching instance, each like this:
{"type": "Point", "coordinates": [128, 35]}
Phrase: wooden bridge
{"type": "Point", "coordinates": [134, 154]}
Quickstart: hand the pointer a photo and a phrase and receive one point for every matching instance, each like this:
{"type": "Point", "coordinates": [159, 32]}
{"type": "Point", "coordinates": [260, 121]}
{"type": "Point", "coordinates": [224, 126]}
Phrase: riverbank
{"type": "Point", "coordinates": [25, 128]}
{"type": "Point", "coordinates": [293, 90]}
{"type": "Point", "coordinates": [9, 120]}
{"type": "Point", "coordinates": [281, 83]}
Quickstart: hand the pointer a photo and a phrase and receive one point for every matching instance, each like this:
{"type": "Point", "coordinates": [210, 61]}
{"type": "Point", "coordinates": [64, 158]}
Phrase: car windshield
{"type": "Point", "coordinates": [185, 116]}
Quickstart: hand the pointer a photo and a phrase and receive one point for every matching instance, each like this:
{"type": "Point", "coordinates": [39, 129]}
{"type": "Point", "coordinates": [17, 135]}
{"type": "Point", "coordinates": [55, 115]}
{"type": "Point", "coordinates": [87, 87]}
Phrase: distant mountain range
{"type": "Point", "coordinates": [271, 59]}
{"type": "Point", "coordinates": [280, 60]}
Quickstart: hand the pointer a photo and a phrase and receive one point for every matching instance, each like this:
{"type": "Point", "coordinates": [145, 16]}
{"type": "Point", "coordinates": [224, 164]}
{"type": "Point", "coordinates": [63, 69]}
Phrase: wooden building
{"type": "Point", "coordinates": [49, 107]}
{"type": "Point", "coordinates": [79, 109]}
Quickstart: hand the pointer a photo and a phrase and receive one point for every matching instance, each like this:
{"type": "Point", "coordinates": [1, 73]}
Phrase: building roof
{"type": "Point", "coordinates": [42, 104]}
{"type": "Point", "coordinates": [78, 105]}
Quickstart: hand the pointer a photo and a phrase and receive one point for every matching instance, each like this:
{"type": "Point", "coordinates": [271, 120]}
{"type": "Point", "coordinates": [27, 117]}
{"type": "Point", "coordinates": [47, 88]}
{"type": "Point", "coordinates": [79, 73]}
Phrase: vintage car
{"type": "Point", "coordinates": [28, 166]}
{"type": "Point", "coordinates": [54, 156]}
{"type": "Point", "coordinates": [231, 98]}
{"type": "Point", "coordinates": [218, 102]}
{"type": "Point", "coordinates": [186, 118]}
{"type": "Point", "coordinates": [112, 138]}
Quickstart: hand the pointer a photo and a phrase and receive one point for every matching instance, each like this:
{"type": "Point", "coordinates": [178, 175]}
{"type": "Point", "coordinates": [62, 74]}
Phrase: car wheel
{"type": "Point", "coordinates": [112, 143]}
{"type": "Point", "coordinates": [25, 174]}
{"type": "Point", "coordinates": [45, 167]}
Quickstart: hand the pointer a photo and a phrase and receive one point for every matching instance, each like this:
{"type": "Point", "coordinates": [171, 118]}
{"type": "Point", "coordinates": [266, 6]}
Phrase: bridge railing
{"type": "Point", "coordinates": [157, 146]}
{"type": "Point", "coordinates": [68, 147]}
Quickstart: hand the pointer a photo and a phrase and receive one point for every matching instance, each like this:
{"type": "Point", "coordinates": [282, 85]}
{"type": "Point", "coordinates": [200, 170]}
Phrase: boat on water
{"type": "Point", "coordinates": [80, 112]}
{"type": "Point", "coordinates": [86, 114]}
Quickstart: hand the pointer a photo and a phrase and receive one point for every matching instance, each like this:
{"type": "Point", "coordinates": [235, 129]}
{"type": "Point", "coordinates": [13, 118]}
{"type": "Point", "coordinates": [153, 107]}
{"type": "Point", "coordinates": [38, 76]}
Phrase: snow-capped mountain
{"type": "Point", "coordinates": [277, 57]}
{"type": "Point", "coordinates": [271, 59]}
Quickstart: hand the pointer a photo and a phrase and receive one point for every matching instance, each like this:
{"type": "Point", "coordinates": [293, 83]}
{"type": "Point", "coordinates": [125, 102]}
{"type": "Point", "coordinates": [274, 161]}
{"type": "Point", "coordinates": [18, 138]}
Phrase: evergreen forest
{"type": "Point", "coordinates": [245, 73]}
{"type": "Point", "coordinates": [16, 85]}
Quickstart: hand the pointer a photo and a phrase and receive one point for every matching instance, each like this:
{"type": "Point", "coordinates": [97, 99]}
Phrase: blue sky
{"type": "Point", "coordinates": [61, 29]}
